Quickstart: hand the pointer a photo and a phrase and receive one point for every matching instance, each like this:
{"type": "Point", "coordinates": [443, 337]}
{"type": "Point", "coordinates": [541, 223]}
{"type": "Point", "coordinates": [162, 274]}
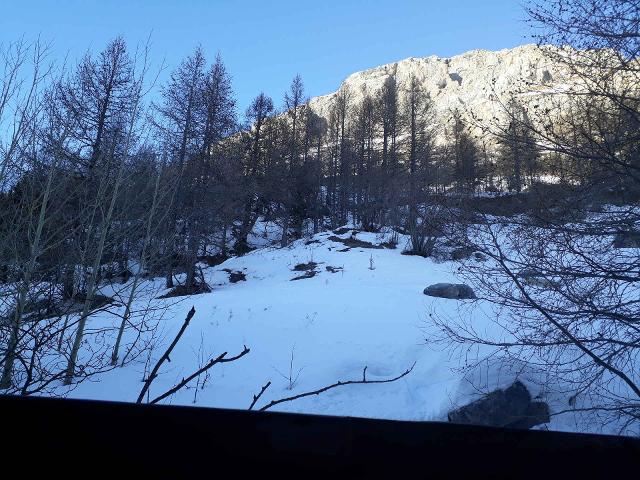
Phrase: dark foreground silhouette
{"type": "Point", "coordinates": [90, 439]}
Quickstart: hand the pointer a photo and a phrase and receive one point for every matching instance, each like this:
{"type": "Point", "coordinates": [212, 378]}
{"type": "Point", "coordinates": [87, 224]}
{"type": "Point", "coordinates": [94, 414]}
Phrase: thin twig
{"type": "Point", "coordinates": [165, 356]}
{"type": "Point", "coordinates": [257, 397]}
{"type": "Point", "coordinates": [335, 385]}
{"type": "Point", "coordinates": [220, 359]}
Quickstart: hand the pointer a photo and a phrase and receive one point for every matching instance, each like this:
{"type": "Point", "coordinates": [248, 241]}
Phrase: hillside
{"type": "Point", "coordinates": [370, 313]}
{"type": "Point", "coordinates": [478, 82]}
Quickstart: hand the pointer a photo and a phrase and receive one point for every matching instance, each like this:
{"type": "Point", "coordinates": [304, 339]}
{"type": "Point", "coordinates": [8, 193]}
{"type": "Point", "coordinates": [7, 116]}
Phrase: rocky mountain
{"type": "Point", "coordinates": [477, 82]}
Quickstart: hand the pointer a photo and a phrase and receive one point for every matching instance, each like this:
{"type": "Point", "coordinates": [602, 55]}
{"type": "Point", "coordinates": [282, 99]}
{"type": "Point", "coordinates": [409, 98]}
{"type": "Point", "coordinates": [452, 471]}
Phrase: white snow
{"type": "Point", "coordinates": [335, 324]}
{"type": "Point", "coordinates": [338, 323]}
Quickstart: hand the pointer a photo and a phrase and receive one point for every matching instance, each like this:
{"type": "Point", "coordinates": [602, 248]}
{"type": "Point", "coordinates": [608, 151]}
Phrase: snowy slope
{"type": "Point", "coordinates": [335, 324]}
{"type": "Point", "coordinates": [370, 313]}
{"type": "Point", "coordinates": [338, 323]}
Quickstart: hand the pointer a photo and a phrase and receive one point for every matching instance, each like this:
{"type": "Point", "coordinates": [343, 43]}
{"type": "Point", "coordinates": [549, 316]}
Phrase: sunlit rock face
{"type": "Point", "coordinates": [478, 83]}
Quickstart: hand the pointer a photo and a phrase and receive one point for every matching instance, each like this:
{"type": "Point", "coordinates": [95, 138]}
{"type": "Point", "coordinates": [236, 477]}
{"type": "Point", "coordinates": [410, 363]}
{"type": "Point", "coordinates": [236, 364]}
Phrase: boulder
{"type": "Point", "coordinates": [529, 273]}
{"type": "Point", "coordinates": [511, 407]}
{"type": "Point", "coordinates": [461, 253]}
{"type": "Point", "coordinates": [534, 278]}
{"type": "Point", "coordinates": [627, 240]}
{"type": "Point", "coordinates": [480, 257]}
{"type": "Point", "coordinates": [457, 291]}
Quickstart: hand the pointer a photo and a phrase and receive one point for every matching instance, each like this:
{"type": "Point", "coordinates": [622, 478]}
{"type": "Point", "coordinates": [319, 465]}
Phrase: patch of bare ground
{"type": "Point", "coordinates": [353, 242]}
{"type": "Point", "coordinates": [235, 276]}
{"type": "Point", "coordinates": [184, 290]}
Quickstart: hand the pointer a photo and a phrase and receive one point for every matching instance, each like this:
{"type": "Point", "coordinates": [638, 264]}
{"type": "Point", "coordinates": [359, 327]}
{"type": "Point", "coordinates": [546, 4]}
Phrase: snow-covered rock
{"type": "Point", "coordinates": [511, 407]}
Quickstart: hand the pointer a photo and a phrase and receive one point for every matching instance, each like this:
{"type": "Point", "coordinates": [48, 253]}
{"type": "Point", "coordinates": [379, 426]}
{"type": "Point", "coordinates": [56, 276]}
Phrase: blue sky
{"type": "Point", "coordinates": [265, 43]}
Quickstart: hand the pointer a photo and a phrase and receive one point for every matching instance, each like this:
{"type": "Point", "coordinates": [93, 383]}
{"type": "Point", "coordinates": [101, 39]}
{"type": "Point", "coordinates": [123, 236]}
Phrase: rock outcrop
{"type": "Point", "coordinates": [477, 82]}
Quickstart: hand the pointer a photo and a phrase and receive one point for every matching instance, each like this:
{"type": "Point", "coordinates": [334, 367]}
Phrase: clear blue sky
{"type": "Point", "coordinates": [265, 43]}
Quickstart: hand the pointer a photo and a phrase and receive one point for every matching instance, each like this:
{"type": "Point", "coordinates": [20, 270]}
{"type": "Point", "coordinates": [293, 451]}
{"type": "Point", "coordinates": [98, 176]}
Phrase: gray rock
{"type": "Point", "coordinates": [529, 273]}
{"type": "Point", "coordinates": [537, 413]}
{"type": "Point", "coordinates": [465, 79]}
{"type": "Point", "coordinates": [457, 291]}
{"type": "Point", "coordinates": [534, 278]}
{"type": "Point", "coordinates": [511, 407]}
{"type": "Point", "coordinates": [480, 257]}
{"type": "Point", "coordinates": [456, 78]}
{"type": "Point", "coordinates": [627, 240]}
{"type": "Point", "coordinates": [461, 253]}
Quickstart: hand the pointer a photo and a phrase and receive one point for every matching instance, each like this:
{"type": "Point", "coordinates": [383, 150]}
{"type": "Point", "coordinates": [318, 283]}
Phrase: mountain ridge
{"type": "Point", "coordinates": [477, 82]}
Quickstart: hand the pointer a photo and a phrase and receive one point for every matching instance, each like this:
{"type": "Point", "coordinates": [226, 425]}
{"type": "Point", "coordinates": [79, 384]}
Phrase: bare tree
{"type": "Point", "coordinates": [519, 150]}
{"type": "Point", "coordinates": [257, 116]}
{"type": "Point", "coordinates": [294, 107]}
{"type": "Point", "coordinates": [25, 70]}
{"type": "Point", "coordinates": [181, 121]}
{"type": "Point", "coordinates": [419, 124]}
{"type": "Point", "coordinates": [113, 72]}
{"type": "Point", "coordinates": [564, 275]}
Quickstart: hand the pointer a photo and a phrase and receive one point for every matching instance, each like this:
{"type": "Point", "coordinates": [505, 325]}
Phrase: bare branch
{"type": "Point", "coordinates": [257, 397]}
{"type": "Point", "coordinates": [336, 385]}
{"type": "Point", "coordinates": [165, 355]}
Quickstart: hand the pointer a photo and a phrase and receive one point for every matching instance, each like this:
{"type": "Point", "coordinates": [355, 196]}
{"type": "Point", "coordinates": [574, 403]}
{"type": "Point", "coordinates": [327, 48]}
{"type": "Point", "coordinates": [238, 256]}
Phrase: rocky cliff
{"type": "Point", "coordinates": [476, 83]}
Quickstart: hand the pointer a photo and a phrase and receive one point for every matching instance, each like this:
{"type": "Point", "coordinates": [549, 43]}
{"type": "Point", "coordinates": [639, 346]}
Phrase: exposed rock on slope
{"type": "Point", "coordinates": [471, 82]}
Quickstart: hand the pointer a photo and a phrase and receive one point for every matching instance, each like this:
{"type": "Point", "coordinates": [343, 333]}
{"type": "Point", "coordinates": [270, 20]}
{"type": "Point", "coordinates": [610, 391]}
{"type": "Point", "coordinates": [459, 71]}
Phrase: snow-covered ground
{"type": "Point", "coordinates": [372, 312]}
